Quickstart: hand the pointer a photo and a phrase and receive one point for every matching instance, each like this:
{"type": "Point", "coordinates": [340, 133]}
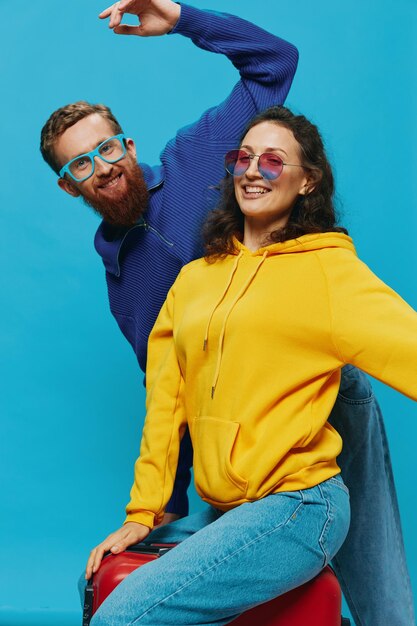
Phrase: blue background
{"type": "Point", "coordinates": [72, 399]}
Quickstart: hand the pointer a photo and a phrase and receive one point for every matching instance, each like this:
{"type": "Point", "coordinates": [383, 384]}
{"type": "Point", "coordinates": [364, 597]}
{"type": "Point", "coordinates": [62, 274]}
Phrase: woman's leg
{"type": "Point", "coordinates": [247, 556]}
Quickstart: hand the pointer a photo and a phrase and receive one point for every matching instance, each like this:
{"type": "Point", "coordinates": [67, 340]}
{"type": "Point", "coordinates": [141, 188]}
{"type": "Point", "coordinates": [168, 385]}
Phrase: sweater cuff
{"type": "Point", "coordinates": [191, 22]}
{"type": "Point", "coordinates": [147, 518]}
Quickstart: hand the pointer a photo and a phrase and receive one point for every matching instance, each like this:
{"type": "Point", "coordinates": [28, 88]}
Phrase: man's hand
{"type": "Point", "coordinates": [118, 541]}
{"type": "Point", "coordinates": [157, 17]}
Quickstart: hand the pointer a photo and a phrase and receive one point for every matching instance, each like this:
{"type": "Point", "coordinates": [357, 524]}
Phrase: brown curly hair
{"type": "Point", "coordinates": [312, 213]}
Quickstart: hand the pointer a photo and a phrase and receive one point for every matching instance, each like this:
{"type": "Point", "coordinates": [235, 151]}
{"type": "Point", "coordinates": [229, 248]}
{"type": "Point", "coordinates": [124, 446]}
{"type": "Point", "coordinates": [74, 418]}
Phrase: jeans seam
{"type": "Point", "coordinates": [326, 523]}
{"type": "Point", "coordinates": [229, 556]}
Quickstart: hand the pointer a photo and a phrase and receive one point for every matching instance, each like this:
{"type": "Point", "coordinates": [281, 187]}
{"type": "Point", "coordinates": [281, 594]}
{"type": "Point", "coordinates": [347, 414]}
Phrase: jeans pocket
{"type": "Point", "coordinates": [291, 506]}
{"type": "Point", "coordinates": [355, 387]}
{"type": "Point", "coordinates": [338, 482]}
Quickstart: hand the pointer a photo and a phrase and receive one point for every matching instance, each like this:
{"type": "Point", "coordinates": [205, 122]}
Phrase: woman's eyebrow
{"type": "Point", "coordinates": [269, 149]}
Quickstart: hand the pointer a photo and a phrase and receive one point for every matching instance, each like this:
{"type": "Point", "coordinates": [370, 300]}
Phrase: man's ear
{"type": "Point", "coordinates": [68, 187]}
{"type": "Point", "coordinates": [130, 146]}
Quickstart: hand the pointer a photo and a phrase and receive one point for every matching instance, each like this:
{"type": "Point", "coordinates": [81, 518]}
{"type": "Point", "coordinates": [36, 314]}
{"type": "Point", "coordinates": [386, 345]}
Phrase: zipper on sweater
{"type": "Point", "coordinates": [151, 229]}
{"type": "Point", "coordinates": [141, 224]}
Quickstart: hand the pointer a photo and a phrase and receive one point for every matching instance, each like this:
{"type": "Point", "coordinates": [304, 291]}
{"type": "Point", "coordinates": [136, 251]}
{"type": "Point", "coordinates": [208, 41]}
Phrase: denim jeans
{"type": "Point", "coordinates": [371, 565]}
{"type": "Point", "coordinates": [229, 562]}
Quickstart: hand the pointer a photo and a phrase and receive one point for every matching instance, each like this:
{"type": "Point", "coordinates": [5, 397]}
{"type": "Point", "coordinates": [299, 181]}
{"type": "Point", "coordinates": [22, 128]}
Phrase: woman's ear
{"type": "Point", "coordinates": [312, 180]}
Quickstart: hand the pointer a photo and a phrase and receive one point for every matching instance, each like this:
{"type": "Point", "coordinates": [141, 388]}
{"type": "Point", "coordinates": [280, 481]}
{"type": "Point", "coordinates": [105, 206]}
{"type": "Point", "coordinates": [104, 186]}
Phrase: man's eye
{"type": "Point", "coordinates": [107, 148]}
{"type": "Point", "coordinates": [80, 164]}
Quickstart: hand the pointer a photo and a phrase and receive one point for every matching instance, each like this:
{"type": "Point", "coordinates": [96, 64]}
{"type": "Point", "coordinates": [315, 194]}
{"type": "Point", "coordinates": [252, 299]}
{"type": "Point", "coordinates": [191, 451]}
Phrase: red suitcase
{"type": "Point", "coordinates": [316, 603]}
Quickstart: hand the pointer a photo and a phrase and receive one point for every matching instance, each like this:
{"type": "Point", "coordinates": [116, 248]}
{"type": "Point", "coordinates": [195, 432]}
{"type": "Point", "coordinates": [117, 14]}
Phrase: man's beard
{"type": "Point", "coordinates": [125, 210]}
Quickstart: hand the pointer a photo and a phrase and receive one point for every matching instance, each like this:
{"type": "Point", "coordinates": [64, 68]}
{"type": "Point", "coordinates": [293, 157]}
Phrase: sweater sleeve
{"type": "Point", "coordinates": [266, 64]}
{"type": "Point", "coordinates": [374, 328]}
{"type": "Point", "coordinates": [164, 425]}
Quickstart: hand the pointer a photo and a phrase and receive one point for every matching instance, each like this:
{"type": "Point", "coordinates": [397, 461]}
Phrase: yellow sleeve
{"type": "Point", "coordinates": [164, 425]}
{"type": "Point", "coordinates": [373, 327]}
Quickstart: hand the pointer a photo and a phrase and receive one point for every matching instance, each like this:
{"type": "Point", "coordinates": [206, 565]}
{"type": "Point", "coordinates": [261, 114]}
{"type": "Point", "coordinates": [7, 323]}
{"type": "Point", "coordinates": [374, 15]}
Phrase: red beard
{"type": "Point", "coordinates": [126, 210]}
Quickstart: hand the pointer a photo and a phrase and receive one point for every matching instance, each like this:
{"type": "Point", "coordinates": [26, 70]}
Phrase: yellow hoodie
{"type": "Point", "coordinates": [248, 352]}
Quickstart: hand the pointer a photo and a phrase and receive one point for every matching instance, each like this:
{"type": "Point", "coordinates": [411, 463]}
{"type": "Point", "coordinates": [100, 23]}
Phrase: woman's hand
{"type": "Point", "coordinates": [157, 17]}
{"type": "Point", "coordinates": [118, 541]}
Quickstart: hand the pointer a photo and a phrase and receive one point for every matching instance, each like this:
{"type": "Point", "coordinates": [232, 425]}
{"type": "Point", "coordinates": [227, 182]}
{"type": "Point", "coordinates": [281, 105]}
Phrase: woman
{"type": "Point", "coordinates": [247, 350]}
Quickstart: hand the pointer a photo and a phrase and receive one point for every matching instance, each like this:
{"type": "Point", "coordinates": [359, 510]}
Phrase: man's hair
{"type": "Point", "coordinates": [64, 118]}
{"type": "Point", "coordinates": [312, 213]}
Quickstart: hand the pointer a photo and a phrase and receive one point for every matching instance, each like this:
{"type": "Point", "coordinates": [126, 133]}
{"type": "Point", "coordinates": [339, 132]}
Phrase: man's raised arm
{"type": "Point", "coordinates": [266, 63]}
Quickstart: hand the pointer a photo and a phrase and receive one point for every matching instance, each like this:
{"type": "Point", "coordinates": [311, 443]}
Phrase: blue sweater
{"type": "Point", "coordinates": [142, 262]}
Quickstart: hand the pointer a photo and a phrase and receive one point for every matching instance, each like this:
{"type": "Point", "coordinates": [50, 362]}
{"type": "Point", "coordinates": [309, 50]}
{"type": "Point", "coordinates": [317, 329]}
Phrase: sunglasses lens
{"type": "Point", "coordinates": [270, 165]}
{"type": "Point", "coordinates": [236, 162]}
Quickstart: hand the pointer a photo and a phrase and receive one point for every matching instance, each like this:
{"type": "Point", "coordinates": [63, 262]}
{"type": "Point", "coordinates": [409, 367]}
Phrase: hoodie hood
{"type": "Point", "coordinates": [110, 239]}
{"type": "Point", "coordinates": [305, 243]}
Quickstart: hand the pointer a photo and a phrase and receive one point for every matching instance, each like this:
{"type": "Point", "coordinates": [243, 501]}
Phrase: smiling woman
{"type": "Point", "coordinates": [287, 196]}
{"type": "Point", "coordinates": [267, 204]}
{"type": "Point", "coordinates": [248, 351]}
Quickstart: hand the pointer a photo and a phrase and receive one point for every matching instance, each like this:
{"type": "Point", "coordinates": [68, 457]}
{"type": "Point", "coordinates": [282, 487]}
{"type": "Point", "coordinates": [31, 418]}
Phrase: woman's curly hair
{"type": "Point", "coordinates": [313, 212]}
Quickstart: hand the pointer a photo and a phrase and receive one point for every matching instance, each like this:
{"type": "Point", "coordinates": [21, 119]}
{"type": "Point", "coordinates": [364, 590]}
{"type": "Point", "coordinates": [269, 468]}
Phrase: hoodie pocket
{"type": "Point", "coordinates": [215, 478]}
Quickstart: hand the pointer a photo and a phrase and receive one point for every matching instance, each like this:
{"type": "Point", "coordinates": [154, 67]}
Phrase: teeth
{"type": "Point", "coordinates": [111, 182]}
{"type": "Point", "coordinates": [256, 190]}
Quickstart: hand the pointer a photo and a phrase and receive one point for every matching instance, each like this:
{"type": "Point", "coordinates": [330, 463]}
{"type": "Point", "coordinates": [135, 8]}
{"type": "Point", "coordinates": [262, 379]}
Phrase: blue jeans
{"type": "Point", "coordinates": [227, 563]}
{"type": "Point", "coordinates": [371, 565]}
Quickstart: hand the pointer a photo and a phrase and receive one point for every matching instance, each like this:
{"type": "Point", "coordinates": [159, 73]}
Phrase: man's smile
{"type": "Point", "coordinates": [113, 182]}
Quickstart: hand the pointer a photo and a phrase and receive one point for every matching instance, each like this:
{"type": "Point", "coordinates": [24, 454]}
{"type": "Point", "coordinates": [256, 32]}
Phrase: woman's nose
{"type": "Point", "coordinates": [253, 171]}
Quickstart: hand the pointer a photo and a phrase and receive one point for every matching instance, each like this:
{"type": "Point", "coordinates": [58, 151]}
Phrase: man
{"type": "Point", "coordinates": [151, 228]}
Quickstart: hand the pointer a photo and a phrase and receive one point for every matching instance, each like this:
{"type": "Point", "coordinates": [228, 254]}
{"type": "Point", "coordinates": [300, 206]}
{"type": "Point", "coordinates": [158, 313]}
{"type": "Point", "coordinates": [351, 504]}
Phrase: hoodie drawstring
{"type": "Point", "coordinates": [223, 329]}
{"type": "Point", "coordinates": [219, 301]}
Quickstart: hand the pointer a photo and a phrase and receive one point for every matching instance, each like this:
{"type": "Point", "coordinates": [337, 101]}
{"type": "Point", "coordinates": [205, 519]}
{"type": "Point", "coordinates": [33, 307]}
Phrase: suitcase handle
{"type": "Point", "coordinates": [147, 548]}
{"type": "Point", "coordinates": [151, 548]}
{"type": "Point", "coordinates": [88, 603]}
